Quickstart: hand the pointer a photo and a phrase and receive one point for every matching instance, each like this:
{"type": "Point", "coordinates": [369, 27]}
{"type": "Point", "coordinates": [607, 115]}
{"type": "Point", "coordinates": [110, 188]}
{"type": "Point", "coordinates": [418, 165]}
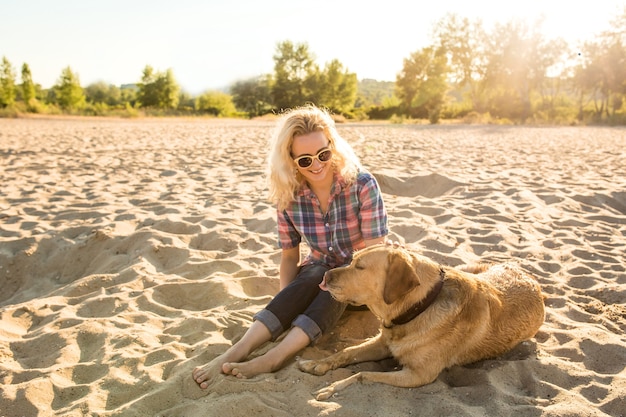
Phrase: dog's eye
{"type": "Point", "coordinates": [359, 266]}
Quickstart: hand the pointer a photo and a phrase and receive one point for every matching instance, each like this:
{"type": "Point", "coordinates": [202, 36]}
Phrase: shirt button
{"type": "Point", "coordinates": [330, 248]}
{"type": "Point", "coordinates": [327, 224]}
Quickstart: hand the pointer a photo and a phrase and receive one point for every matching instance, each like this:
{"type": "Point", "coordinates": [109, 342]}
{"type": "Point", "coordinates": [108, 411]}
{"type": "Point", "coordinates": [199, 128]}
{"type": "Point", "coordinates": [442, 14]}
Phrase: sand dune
{"type": "Point", "coordinates": [132, 251]}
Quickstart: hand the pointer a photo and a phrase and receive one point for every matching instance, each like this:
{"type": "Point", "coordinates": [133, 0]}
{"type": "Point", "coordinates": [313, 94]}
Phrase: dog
{"type": "Point", "coordinates": [432, 317]}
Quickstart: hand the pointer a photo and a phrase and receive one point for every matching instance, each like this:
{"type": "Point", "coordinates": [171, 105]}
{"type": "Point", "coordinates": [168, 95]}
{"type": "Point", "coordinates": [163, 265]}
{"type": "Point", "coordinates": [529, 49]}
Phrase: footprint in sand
{"type": "Point", "coordinates": [430, 186]}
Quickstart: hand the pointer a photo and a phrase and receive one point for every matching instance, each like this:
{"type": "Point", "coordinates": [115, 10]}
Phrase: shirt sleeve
{"type": "Point", "coordinates": [288, 236]}
{"type": "Point", "coordinates": [372, 213]}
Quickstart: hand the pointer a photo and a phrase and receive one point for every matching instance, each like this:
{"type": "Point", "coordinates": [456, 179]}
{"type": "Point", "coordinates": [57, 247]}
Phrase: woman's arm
{"type": "Point", "coordinates": [370, 242]}
{"type": "Point", "coordinates": [373, 214]}
{"type": "Point", "coordinates": [289, 259]}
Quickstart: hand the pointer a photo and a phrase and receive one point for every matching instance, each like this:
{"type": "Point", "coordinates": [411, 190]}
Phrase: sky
{"type": "Point", "coordinates": [210, 44]}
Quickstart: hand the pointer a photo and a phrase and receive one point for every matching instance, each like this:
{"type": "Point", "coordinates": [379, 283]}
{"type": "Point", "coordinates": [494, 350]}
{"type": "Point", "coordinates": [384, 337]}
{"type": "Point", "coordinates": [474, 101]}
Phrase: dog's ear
{"type": "Point", "coordinates": [401, 277]}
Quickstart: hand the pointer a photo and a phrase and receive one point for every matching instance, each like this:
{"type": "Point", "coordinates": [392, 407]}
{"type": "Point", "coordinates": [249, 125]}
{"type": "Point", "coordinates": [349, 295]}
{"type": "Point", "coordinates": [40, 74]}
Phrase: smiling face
{"type": "Point", "coordinates": [318, 173]}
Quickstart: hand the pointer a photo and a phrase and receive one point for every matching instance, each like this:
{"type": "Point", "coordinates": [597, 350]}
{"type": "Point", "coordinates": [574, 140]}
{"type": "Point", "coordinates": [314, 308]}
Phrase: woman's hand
{"type": "Point", "coordinates": [393, 243]}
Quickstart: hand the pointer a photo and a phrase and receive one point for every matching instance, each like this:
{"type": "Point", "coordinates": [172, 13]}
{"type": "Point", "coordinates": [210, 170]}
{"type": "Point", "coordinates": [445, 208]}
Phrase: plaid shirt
{"type": "Point", "coordinates": [355, 213]}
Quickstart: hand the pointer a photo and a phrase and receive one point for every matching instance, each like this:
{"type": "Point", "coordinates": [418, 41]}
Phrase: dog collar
{"type": "Point", "coordinates": [422, 305]}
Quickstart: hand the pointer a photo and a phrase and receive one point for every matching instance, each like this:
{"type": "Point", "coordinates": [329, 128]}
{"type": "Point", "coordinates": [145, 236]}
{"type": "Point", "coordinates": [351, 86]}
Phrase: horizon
{"type": "Point", "coordinates": [209, 45]}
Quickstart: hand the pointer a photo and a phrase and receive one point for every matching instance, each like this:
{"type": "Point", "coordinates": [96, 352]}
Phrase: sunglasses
{"type": "Point", "coordinates": [306, 161]}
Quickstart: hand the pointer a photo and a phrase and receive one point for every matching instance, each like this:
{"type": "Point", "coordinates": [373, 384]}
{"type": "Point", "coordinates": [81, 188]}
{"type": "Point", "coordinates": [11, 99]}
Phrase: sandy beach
{"type": "Point", "coordinates": [132, 251]}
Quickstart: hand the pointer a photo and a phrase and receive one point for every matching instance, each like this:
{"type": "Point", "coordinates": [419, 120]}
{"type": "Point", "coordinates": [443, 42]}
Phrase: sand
{"type": "Point", "coordinates": [132, 251]}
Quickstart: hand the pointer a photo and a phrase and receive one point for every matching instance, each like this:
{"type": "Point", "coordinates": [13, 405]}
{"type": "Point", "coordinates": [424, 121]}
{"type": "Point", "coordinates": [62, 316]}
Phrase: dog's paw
{"type": "Point", "coordinates": [324, 393]}
{"type": "Point", "coordinates": [329, 391]}
{"type": "Point", "coordinates": [313, 367]}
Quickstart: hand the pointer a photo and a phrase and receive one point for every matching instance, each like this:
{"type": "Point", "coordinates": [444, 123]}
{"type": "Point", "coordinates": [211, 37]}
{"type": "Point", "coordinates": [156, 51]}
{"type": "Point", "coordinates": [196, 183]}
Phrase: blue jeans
{"type": "Point", "coordinates": [303, 304]}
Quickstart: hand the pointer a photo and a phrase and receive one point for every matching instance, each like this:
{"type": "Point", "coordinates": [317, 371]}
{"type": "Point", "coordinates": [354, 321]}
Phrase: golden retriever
{"type": "Point", "coordinates": [432, 316]}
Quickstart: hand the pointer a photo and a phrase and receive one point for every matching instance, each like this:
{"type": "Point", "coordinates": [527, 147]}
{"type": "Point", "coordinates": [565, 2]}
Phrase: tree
{"type": "Point", "coordinates": [298, 80]}
{"type": "Point", "coordinates": [253, 96]}
{"type": "Point", "coordinates": [68, 92]}
{"type": "Point", "coordinates": [373, 93]}
{"type": "Point", "coordinates": [600, 78]}
{"type": "Point", "coordinates": [464, 43]}
{"type": "Point", "coordinates": [421, 85]}
{"type": "Point", "coordinates": [28, 86]}
{"type": "Point", "coordinates": [216, 103]}
{"type": "Point", "coordinates": [103, 93]}
{"type": "Point", "coordinates": [186, 102]}
{"type": "Point", "coordinates": [128, 94]}
{"type": "Point", "coordinates": [519, 58]}
{"type": "Point", "coordinates": [147, 89]}
{"type": "Point", "coordinates": [158, 89]}
{"type": "Point", "coordinates": [337, 87]}
{"type": "Point", "coordinates": [7, 83]}
{"type": "Point", "coordinates": [614, 63]}
{"type": "Point", "coordinates": [294, 73]}
{"type": "Point", "coordinates": [168, 90]}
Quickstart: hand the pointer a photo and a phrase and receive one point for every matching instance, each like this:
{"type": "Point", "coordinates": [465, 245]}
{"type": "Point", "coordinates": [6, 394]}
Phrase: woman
{"type": "Point", "coordinates": [326, 200]}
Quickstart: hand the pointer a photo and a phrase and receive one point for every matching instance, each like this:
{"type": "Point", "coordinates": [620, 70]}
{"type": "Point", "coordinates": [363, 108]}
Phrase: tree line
{"type": "Point", "coordinates": [509, 74]}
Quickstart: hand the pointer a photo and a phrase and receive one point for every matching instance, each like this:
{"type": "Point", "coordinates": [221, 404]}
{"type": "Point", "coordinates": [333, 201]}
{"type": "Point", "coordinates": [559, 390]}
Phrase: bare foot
{"type": "Point", "coordinates": [230, 362]}
{"type": "Point", "coordinates": [203, 374]}
{"type": "Point", "coordinates": [260, 365]}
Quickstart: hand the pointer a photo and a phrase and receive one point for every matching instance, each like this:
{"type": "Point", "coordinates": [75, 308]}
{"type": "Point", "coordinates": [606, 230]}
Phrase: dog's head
{"type": "Point", "coordinates": [377, 276]}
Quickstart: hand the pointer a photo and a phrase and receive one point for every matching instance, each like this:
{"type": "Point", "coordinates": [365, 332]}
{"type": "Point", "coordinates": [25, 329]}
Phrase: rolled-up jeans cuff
{"type": "Point", "coordinates": [308, 326]}
{"type": "Point", "coordinates": [271, 322]}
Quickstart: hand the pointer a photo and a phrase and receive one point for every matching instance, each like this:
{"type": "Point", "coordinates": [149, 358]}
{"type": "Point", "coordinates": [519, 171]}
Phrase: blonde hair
{"type": "Point", "coordinates": [283, 178]}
